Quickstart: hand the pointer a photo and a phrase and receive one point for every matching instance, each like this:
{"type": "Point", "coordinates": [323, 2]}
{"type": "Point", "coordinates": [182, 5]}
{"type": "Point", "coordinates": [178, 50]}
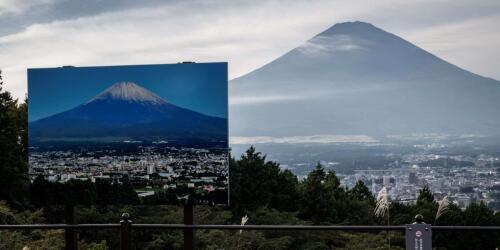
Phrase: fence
{"type": "Point", "coordinates": [126, 226]}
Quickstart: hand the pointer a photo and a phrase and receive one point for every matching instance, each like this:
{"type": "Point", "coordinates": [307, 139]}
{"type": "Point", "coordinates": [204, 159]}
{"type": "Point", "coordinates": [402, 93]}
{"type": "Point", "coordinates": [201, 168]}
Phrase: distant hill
{"type": "Point", "coordinates": [355, 78]}
{"type": "Point", "coordinates": [128, 111]}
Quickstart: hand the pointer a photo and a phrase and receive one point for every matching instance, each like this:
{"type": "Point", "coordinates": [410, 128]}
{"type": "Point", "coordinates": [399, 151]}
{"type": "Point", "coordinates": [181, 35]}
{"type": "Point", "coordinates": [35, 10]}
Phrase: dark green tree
{"type": "Point", "coordinates": [314, 202]}
{"type": "Point", "coordinates": [104, 191]}
{"type": "Point", "coordinates": [255, 182]}
{"type": "Point", "coordinates": [426, 206]}
{"type": "Point", "coordinates": [402, 213]}
{"type": "Point", "coordinates": [125, 193]}
{"type": "Point", "coordinates": [425, 196]}
{"type": "Point", "coordinates": [13, 148]}
{"type": "Point", "coordinates": [361, 204]}
{"type": "Point", "coordinates": [323, 200]}
{"type": "Point", "coordinates": [450, 240]}
{"type": "Point", "coordinates": [361, 192]}
{"type": "Point", "coordinates": [479, 215]}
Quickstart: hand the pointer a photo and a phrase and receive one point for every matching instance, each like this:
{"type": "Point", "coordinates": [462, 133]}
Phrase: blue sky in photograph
{"type": "Point", "coordinates": [201, 87]}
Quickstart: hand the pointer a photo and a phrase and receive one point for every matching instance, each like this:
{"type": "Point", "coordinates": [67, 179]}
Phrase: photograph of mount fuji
{"type": "Point", "coordinates": [166, 123]}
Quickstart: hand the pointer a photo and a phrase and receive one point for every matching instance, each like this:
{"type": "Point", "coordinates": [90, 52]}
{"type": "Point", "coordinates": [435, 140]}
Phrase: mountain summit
{"type": "Point", "coordinates": [355, 78]}
{"type": "Point", "coordinates": [356, 27]}
{"type": "Point", "coordinates": [127, 111]}
{"type": "Point", "coordinates": [128, 91]}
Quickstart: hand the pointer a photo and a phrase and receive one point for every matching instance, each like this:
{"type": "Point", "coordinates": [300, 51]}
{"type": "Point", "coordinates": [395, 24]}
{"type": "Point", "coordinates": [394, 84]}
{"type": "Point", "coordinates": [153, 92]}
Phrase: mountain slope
{"type": "Point", "coordinates": [355, 78]}
{"type": "Point", "coordinates": [126, 110]}
{"type": "Point", "coordinates": [130, 92]}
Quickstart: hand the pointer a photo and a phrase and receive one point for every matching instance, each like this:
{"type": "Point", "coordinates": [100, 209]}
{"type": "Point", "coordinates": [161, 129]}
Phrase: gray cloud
{"type": "Point", "coordinates": [45, 33]}
{"type": "Point", "coordinates": [322, 138]}
{"type": "Point", "coordinates": [16, 15]}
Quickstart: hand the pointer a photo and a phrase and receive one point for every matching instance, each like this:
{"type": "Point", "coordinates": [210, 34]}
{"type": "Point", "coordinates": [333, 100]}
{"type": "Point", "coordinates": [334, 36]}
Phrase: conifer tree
{"type": "Point", "coordinates": [13, 148]}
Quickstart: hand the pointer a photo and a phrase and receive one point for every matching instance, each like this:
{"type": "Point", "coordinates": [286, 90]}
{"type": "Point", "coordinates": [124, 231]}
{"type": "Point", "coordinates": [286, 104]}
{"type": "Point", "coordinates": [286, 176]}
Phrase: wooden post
{"type": "Point", "coordinates": [70, 233]}
{"type": "Point", "coordinates": [125, 232]}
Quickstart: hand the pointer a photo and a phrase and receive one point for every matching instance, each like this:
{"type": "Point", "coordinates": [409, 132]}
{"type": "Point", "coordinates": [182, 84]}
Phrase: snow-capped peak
{"type": "Point", "coordinates": [129, 91]}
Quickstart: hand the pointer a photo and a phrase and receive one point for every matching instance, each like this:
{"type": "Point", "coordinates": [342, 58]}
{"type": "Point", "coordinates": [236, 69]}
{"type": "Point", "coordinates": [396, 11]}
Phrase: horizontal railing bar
{"type": "Point", "coordinates": [465, 228]}
{"type": "Point", "coordinates": [248, 227]}
{"type": "Point", "coordinates": [59, 226]}
{"type": "Point", "coordinates": [269, 227]}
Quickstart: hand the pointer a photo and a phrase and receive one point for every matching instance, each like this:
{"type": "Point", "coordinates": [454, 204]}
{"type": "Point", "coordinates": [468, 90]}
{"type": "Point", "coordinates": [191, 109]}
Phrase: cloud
{"type": "Point", "coordinates": [326, 138]}
{"type": "Point", "coordinates": [329, 44]}
{"type": "Point", "coordinates": [262, 99]}
{"type": "Point", "coordinates": [18, 7]}
{"type": "Point", "coordinates": [469, 44]}
{"type": "Point", "coordinates": [167, 33]}
{"type": "Point", "coordinates": [247, 34]}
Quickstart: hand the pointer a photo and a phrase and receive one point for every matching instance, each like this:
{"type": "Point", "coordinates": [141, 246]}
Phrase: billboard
{"type": "Point", "coordinates": [163, 128]}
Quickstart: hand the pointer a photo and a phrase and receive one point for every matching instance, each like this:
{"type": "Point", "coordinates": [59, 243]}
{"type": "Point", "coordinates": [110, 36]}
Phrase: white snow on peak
{"type": "Point", "coordinates": [129, 91]}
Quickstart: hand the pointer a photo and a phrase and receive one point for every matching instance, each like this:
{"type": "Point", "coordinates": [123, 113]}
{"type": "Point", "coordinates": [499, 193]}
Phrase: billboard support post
{"type": "Point", "coordinates": [189, 220]}
{"type": "Point", "coordinates": [70, 233]}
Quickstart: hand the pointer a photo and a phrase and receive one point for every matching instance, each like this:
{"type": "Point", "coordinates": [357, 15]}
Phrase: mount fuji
{"type": "Point", "coordinates": [127, 111]}
{"type": "Point", "coordinates": [357, 79]}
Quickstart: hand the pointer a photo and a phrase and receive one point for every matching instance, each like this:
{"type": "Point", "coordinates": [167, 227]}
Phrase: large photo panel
{"type": "Point", "coordinates": [162, 129]}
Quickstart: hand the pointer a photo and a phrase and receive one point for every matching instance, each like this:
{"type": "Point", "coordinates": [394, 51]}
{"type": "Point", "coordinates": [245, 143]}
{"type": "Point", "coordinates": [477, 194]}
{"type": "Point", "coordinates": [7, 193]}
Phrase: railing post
{"type": "Point", "coordinates": [189, 220]}
{"type": "Point", "coordinates": [418, 235]}
{"type": "Point", "coordinates": [70, 233]}
{"type": "Point", "coordinates": [125, 232]}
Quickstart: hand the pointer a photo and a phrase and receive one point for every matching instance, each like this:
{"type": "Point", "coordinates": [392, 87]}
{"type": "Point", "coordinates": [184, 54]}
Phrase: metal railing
{"type": "Point", "coordinates": [126, 226]}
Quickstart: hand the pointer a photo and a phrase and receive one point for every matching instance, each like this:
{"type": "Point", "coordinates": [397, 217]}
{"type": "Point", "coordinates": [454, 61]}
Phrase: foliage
{"type": "Point", "coordinates": [102, 192]}
{"type": "Point", "coordinates": [13, 149]}
{"type": "Point", "coordinates": [425, 196]}
{"type": "Point", "coordinates": [256, 182]}
{"type": "Point", "coordinates": [319, 200]}
{"type": "Point", "coordinates": [34, 239]}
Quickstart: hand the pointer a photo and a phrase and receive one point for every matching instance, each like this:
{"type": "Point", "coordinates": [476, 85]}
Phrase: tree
{"type": "Point", "coordinates": [287, 197]}
{"type": "Point", "coordinates": [125, 193]}
{"type": "Point", "coordinates": [361, 204]}
{"type": "Point", "coordinates": [13, 148]}
{"type": "Point", "coordinates": [425, 196]}
{"type": "Point", "coordinates": [314, 202]}
{"type": "Point", "coordinates": [255, 182]}
{"type": "Point", "coordinates": [426, 206]}
{"type": "Point", "coordinates": [361, 192]}
{"type": "Point", "coordinates": [450, 240]}
{"type": "Point", "coordinates": [475, 215]}
{"type": "Point", "coordinates": [323, 200]}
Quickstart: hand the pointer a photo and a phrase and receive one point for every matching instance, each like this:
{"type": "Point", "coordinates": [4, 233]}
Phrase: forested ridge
{"type": "Point", "coordinates": [260, 189]}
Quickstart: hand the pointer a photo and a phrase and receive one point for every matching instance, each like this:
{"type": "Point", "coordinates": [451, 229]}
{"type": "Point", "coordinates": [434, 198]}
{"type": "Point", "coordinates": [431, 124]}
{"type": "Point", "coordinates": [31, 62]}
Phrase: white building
{"type": "Point", "coordinates": [151, 169]}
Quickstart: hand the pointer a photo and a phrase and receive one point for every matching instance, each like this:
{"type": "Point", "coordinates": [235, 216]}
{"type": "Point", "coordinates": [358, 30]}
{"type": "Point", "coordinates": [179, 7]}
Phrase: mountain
{"type": "Point", "coordinates": [129, 91]}
{"type": "Point", "coordinates": [128, 111]}
{"type": "Point", "coordinates": [357, 79]}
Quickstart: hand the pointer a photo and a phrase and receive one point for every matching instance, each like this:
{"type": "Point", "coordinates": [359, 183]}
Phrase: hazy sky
{"type": "Point", "coordinates": [200, 87]}
{"type": "Point", "coordinates": [248, 34]}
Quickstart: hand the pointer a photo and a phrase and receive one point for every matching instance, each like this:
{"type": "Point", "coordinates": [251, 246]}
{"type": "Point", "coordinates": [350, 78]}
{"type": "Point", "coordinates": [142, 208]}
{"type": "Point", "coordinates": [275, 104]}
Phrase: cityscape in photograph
{"type": "Point", "coordinates": [149, 168]}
